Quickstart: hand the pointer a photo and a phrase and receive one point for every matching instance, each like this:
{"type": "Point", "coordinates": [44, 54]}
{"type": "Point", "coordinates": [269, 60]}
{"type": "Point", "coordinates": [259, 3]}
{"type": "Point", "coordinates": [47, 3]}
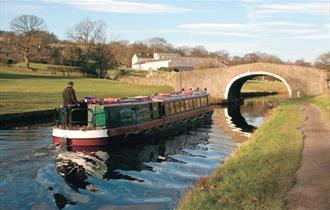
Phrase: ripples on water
{"type": "Point", "coordinates": [149, 174]}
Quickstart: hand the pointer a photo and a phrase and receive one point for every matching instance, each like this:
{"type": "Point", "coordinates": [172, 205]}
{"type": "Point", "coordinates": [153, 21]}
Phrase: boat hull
{"type": "Point", "coordinates": [103, 137]}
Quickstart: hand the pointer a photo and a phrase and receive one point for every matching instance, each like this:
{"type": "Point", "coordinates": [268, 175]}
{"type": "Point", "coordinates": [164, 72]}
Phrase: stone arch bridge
{"type": "Point", "coordinates": [226, 83]}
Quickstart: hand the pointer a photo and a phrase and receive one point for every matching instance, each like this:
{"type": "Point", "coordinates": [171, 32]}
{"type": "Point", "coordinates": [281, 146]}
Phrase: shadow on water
{"type": "Point", "coordinates": [240, 122]}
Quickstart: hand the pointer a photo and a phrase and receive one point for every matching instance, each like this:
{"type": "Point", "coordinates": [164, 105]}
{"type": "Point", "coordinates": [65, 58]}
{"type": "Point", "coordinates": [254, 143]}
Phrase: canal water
{"type": "Point", "coordinates": [151, 173]}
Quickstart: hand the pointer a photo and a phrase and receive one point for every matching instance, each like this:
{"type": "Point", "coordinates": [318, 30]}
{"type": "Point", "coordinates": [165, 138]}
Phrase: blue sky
{"type": "Point", "coordinates": [288, 29]}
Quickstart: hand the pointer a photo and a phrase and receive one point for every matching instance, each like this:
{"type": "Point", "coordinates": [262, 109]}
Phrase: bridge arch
{"type": "Point", "coordinates": [233, 87]}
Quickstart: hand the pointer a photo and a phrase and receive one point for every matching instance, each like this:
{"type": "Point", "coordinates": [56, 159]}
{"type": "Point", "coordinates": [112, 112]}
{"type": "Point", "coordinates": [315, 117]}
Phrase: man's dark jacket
{"type": "Point", "coordinates": [69, 96]}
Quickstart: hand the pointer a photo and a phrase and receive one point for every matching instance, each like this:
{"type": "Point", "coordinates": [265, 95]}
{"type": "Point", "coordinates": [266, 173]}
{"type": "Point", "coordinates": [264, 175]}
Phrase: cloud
{"type": "Point", "coordinates": [119, 6]}
{"type": "Point", "coordinates": [19, 9]}
{"type": "Point", "coordinates": [272, 29]}
{"type": "Point", "coordinates": [226, 34]}
{"type": "Point", "coordinates": [247, 26]}
{"type": "Point", "coordinates": [314, 8]}
{"type": "Point", "coordinates": [324, 36]}
{"type": "Point", "coordinates": [264, 9]}
{"type": "Point", "coordinates": [214, 26]}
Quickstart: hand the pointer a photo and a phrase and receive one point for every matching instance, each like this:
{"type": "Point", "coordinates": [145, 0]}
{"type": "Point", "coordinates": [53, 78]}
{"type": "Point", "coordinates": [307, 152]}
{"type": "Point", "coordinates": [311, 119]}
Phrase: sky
{"type": "Point", "coordinates": [289, 29]}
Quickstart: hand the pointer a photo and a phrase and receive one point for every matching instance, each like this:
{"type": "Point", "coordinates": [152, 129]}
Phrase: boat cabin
{"type": "Point", "coordinates": [113, 113]}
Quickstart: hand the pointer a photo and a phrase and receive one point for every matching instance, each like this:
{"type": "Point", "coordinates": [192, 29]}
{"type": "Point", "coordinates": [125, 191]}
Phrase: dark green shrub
{"type": "Point", "coordinates": [64, 69]}
{"type": "Point", "coordinates": [167, 69]}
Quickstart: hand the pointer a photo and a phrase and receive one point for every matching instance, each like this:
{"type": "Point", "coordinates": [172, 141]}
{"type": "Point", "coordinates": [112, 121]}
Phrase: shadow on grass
{"type": "Point", "coordinates": [31, 76]}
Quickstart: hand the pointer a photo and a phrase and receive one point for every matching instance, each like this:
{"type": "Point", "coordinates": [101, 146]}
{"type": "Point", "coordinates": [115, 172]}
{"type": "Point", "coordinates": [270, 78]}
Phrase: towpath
{"type": "Point", "coordinates": [312, 187]}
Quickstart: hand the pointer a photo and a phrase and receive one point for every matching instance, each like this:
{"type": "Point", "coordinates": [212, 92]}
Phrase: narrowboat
{"type": "Point", "coordinates": [99, 122]}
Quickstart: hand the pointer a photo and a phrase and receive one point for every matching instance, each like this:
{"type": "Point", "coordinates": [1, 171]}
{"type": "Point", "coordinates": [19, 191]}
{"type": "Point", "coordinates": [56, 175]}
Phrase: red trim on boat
{"type": "Point", "coordinates": [81, 142]}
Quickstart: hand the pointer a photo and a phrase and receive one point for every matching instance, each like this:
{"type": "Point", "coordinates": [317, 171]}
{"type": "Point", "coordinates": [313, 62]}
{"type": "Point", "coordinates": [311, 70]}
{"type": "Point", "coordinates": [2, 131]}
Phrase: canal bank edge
{"type": "Point", "coordinates": [311, 189]}
{"type": "Point", "coordinates": [17, 119]}
{"type": "Point", "coordinates": [261, 172]}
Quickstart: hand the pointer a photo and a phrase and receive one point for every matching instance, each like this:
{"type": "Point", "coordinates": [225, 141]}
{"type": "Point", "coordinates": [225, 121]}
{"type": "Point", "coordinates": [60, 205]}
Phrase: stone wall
{"type": "Point", "coordinates": [301, 80]}
{"type": "Point", "coordinates": [158, 79]}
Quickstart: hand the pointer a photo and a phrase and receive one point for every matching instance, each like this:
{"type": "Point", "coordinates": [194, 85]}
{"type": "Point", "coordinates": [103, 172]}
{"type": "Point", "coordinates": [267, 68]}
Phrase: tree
{"type": "Point", "coordinates": [88, 32]}
{"type": "Point", "coordinates": [158, 44]}
{"type": "Point", "coordinates": [250, 58]}
{"type": "Point", "coordinates": [222, 55]}
{"type": "Point", "coordinates": [267, 58]}
{"type": "Point", "coordinates": [302, 62]}
{"type": "Point", "coordinates": [74, 55]}
{"type": "Point", "coordinates": [323, 61]}
{"type": "Point", "coordinates": [120, 51]}
{"type": "Point", "coordinates": [236, 60]}
{"type": "Point", "coordinates": [198, 51]}
{"type": "Point", "coordinates": [91, 36]}
{"type": "Point", "coordinates": [27, 27]}
{"type": "Point", "coordinates": [102, 59]}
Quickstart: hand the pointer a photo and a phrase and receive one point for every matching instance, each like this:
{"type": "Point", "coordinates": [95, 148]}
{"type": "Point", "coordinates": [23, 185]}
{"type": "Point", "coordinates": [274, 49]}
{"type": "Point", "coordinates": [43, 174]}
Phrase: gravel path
{"type": "Point", "coordinates": [312, 188]}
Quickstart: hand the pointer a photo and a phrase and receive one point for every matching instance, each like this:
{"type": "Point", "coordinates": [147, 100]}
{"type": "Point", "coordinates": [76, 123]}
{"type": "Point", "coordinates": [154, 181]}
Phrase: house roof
{"type": "Point", "coordinates": [193, 61]}
{"type": "Point", "coordinates": [168, 54]}
{"type": "Point", "coordinates": [178, 61]}
{"type": "Point", "coordinates": [151, 61]}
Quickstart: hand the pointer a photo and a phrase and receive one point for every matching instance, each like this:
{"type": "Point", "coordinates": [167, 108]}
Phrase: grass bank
{"type": "Point", "coordinates": [261, 172]}
{"type": "Point", "coordinates": [323, 102]}
{"type": "Point", "coordinates": [24, 90]}
{"type": "Point", "coordinates": [264, 86]}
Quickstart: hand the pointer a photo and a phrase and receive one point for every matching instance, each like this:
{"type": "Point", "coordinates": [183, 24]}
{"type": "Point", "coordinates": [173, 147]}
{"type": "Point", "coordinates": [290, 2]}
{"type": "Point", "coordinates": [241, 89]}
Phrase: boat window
{"type": "Point", "coordinates": [194, 103]}
{"type": "Point", "coordinates": [187, 104]}
{"type": "Point", "coordinates": [191, 105]}
{"type": "Point", "coordinates": [177, 106]}
{"type": "Point", "coordinates": [198, 102]}
{"type": "Point", "coordinates": [127, 116]}
{"type": "Point", "coordinates": [182, 106]}
{"type": "Point", "coordinates": [143, 113]}
{"type": "Point", "coordinates": [203, 101]}
{"type": "Point", "coordinates": [113, 117]}
{"type": "Point", "coordinates": [167, 108]}
{"type": "Point", "coordinates": [172, 108]}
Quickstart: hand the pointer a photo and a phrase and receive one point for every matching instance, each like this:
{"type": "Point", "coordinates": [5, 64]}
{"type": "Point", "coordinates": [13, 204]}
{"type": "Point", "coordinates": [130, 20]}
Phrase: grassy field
{"type": "Point", "coordinates": [264, 86]}
{"type": "Point", "coordinates": [23, 90]}
{"type": "Point", "coordinates": [39, 66]}
{"type": "Point", "coordinates": [260, 173]}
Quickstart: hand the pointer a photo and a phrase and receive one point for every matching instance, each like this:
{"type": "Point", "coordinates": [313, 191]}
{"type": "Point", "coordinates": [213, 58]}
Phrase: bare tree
{"type": "Point", "coordinates": [250, 58]}
{"type": "Point", "coordinates": [27, 26]}
{"type": "Point", "coordinates": [198, 51]}
{"type": "Point", "coordinates": [302, 62]}
{"type": "Point", "coordinates": [158, 44]}
{"type": "Point", "coordinates": [222, 55]}
{"type": "Point", "coordinates": [91, 36]}
{"type": "Point", "coordinates": [323, 61]}
{"type": "Point", "coordinates": [88, 32]}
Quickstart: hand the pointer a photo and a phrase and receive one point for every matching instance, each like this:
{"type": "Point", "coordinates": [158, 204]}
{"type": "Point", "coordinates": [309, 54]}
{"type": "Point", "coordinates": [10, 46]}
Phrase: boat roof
{"type": "Point", "coordinates": [160, 97]}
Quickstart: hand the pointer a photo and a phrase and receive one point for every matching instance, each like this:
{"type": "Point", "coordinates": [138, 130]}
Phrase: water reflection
{"type": "Point", "coordinates": [150, 173]}
{"type": "Point", "coordinates": [234, 113]}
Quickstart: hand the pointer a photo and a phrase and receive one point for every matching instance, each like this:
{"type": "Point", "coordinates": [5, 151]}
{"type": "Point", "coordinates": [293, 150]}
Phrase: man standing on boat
{"type": "Point", "coordinates": [69, 96]}
{"type": "Point", "coordinates": [69, 100]}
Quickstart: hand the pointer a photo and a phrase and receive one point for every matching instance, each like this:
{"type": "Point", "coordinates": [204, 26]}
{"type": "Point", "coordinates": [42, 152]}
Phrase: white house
{"type": "Point", "coordinates": [170, 61]}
